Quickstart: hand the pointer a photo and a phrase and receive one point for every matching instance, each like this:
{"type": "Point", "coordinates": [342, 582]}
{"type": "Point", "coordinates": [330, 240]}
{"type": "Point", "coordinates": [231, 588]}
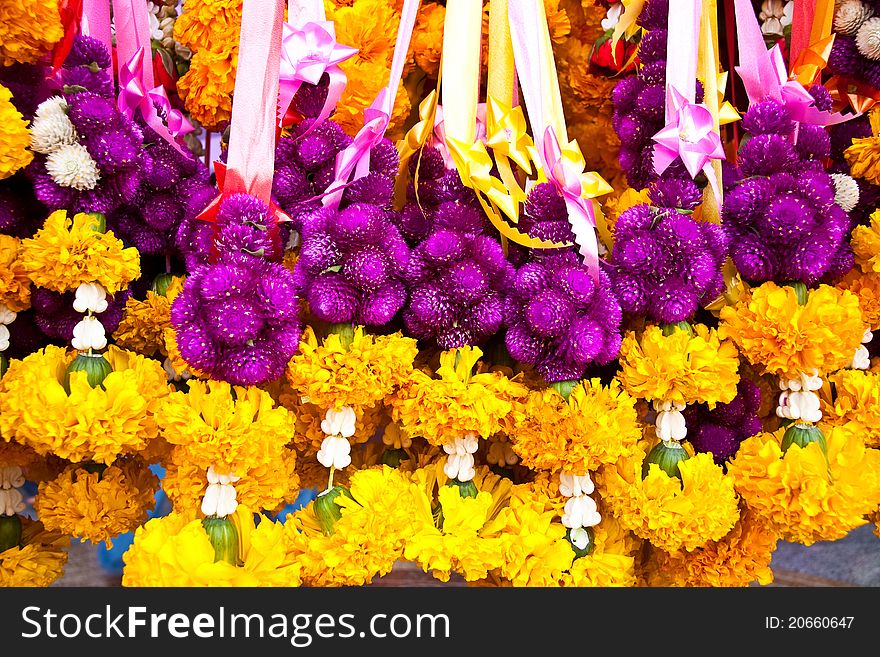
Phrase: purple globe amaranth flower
{"type": "Point", "coordinates": [238, 321]}
{"type": "Point", "coordinates": [27, 83]}
{"type": "Point", "coordinates": [767, 117]}
{"type": "Point", "coordinates": [655, 15]}
{"type": "Point", "coordinates": [682, 194]}
{"type": "Point", "coordinates": [352, 263]}
{"type": "Point", "coordinates": [763, 155]}
{"type": "Point", "coordinates": [652, 46]}
{"type": "Point", "coordinates": [98, 83]}
{"type": "Point", "coordinates": [721, 430]}
{"type": "Point", "coordinates": [87, 51]}
{"type": "Point", "coordinates": [559, 319]}
{"type": "Point", "coordinates": [55, 317]}
{"type": "Point", "coordinates": [664, 263]}
{"type": "Point", "coordinates": [845, 58]}
{"type": "Point", "coordinates": [457, 282]}
{"type": "Point", "coordinates": [25, 337]}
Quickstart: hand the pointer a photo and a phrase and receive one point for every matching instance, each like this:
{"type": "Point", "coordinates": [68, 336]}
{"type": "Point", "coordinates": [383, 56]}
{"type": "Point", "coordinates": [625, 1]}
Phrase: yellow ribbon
{"type": "Point", "coordinates": [708, 68]}
{"type": "Point", "coordinates": [814, 58]}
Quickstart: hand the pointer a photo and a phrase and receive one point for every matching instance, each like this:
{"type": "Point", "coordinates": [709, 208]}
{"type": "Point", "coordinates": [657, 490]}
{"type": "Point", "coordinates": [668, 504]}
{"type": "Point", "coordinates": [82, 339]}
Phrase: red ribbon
{"type": "Point", "coordinates": [801, 27]}
{"type": "Point", "coordinates": [71, 18]}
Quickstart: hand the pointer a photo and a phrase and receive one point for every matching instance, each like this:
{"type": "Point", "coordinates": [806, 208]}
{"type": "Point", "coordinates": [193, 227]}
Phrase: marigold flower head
{"type": "Point", "coordinates": [368, 537]}
{"type": "Point", "coordinates": [143, 325]}
{"type": "Point", "coordinates": [672, 514]}
{"type": "Point", "coordinates": [88, 423]}
{"type": "Point", "coordinates": [364, 80]}
{"type": "Point", "coordinates": [231, 428]}
{"type": "Point", "coordinates": [866, 286]}
{"type": "Point", "coordinates": [866, 244]}
{"type": "Point", "coordinates": [804, 495]}
{"type": "Point", "coordinates": [68, 252]}
{"type": "Point", "coordinates": [175, 551]}
{"type": "Point", "coordinates": [851, 399]}
{"type": "Point", "coordinates": [864, 159]}
{"type": "Point", "coordinates": [14, 135]}
{"type": "Point", "coordinates": [738, 559]}
{"type": "Point", "coordinates": [206, 88]}
{"type": "Point", "coordinates": [612, 561]}
{"type": "Point", "coordinates": [98, 506]}
{"type": "Point", "coordinates": [457, 401]}
{"type": "Point", "coordinates": [15, 286]}
{"type": "Point", "coordinates": [772, 330]}
{"type": "Point", "coordinates": [679, 367]}
{"type": "Point", "coordinates": [427, 38]}
{"type": "Point", "coordinates": [332, 375]}
{"type": "Point", "coordinates": [597, 425]}
{"type": "Point", "coordinates": [28, 30]}
{"type": "Point", "coordinates": [39, 558]}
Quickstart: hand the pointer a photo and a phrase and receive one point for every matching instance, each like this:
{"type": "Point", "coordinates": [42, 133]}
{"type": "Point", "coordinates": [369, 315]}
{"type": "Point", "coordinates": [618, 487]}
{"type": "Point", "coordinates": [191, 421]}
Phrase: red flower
{"type": "Point", "coordinates": [603, 60]}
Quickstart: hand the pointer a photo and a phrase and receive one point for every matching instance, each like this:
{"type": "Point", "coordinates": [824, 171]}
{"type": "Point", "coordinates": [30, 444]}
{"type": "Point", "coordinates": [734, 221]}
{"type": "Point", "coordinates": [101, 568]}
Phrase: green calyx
{"type": "Point", "coordinates": [326, 508]}
{"type": "Point", "coordinates": [100, 225]}
{"type": "Point", "coordinates": [4, 365]}
{"type": "Point", "coordinates": [667, 455]}
{"type": "Point", "coordinates": [345, 332]}
{"type": "Point", "coordinates": [564, 388]}
{"type": "Point", "coordinates": [161, 284]}
{"type": "Point", "coordinates": [800, 290]}
{"type": "Point", "coordinates": [10, 532]}
{"type": "Point", "coordinates": [465, 488]}
{"type": "Point", "coordinates": [224, 538]}
{"type": "Point", "coordinates": [586, 549]}
{"type": "Point", "coordinates": [669, 329]}
{"type": "Point", "coordinates": [96, 367]}
{"type": "Point", "coordinates": [802, 435]}
{"type": "Point", "coordinates": [393, 457]}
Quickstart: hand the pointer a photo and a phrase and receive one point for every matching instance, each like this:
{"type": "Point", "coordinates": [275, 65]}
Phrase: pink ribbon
{"type": "Point", "coordinates": [307, 53]}
{"type": "Point", "coordinates": [566, 177]}
{"type": "Point", "coordinates": [765, 76]}
{"type": "Point", "coordinates": [438, 136]}
{"type": "Point", "coordinates": [355, 159]}
{"type": "Point", "coordinates": [689, 134]}
{"type": "Point", "coordinates": [96, 24]}
{"type": "Point", "coordinates": [153, 104]}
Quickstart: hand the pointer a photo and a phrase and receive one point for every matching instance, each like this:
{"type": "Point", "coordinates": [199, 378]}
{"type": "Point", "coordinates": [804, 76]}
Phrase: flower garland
{"type": "Point", "coordinates": [38, 559]}
{"type": "Point", "coordinates": [29, 30]}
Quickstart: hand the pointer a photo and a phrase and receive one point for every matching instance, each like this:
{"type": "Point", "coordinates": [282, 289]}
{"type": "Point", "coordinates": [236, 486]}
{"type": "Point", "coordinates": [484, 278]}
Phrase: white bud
{"type": "Point", "coordinates": [11, 501]}
{"type": "Point", "coordinates": [580, 538]}
{"type": "Point", "coordinates": [89, 334]}
{"type": "Point", "coordinates": [862, 359]}
{"type": "Point", "coordinates": [580, 511]}
{"type": "Point", "coordinates": [339, 423]}
{"type": "Point", "coordinates": [571, 485]}
{"type": "Point", "coordinates": [6, 315]}
{"type": "Point", "coordinates": [335, 452]}
{"type": "Point", "coordinates": [671, 425]}
{"type": "Point", "coordinates": [90, 297]}
{"type": "Point", "coordinates": [4, 337]}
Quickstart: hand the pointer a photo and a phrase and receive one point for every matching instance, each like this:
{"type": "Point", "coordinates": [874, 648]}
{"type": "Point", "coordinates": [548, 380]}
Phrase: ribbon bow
{"type": "Point", "coordinates": [564, 168]}
{"type": "Point", "coordinates": [689, 134]}
{"type": "Point", "coordinates": [153, 104]}
{"type": "Point", "coordinates": [307, 53]}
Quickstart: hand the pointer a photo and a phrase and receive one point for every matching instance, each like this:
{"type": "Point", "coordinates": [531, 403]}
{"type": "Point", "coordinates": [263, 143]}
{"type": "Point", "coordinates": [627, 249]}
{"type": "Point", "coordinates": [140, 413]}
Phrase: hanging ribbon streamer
{"type": "Point", "coordinates": [308, 51]}
{"type": "Point", "coordinates": [71, 13]}
{"type": "Point", "coordinates": [96, 24]}
{"type": "Point", "coordinates": [354, 161]}
{"type": "Point", "coordinates": [690, 132]}
{"type": "Point", "coordinates": [764, 75]}
{"type": "Point", "coordinates": [563, 166]}
{"type": "Point", "coordinates": [250, 164]}
{"type": "Point", "coordinates": [811, 39]}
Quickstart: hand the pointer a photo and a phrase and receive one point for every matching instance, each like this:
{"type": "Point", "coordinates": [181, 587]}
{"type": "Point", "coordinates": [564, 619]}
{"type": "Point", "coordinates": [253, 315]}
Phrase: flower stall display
{"type": "Point", "coordinates": [521, 293]}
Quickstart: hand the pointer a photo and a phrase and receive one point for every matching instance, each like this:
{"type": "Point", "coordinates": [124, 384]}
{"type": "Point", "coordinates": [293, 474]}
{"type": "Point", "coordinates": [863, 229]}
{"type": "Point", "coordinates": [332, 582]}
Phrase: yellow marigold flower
{"type": "Point", "coordinates": [364, 80]}
{"type": "Point", "coordinates": [206, 88]}
{"type": "Point", "coordinates": [557, 21]}
{"type": "Point", "coordinates": [804, 496]}
{"type": "Point", "coordinates": [267, 486]}
{"type": "Point", "coordinates": [866, 244]}
{"type": "Point", "coordinates": [463, 541]}
{"type": "Point", "coordinates": [15, 286]}
{"type": "Point", "coordinates": [427, 38]}
{"type": "Point", "coordinates": [28, 30]}
{"type": "Point", "coordinates": [672, 514]}
{"type": "Point", "coordinates": [866, 286]}
{"type": "Point", "coordinates": [332, 375]}
{"type": "Point", "coordinates": [772, 330]}
{"type": "Point", "coordinates": [38, 560]}
{"type": "Point", "coordinates": [209, 25]}
{"type": "Point", "coordinates": [851, 399]}
{"type": "Point", "coordinates": [89, 423]}
{"type": "Point", "coordinates": [143, 325]}
{"type": "Point", "coordinates": [864, 159]}
{"type": "Point", "coordinates": [230, 428]}
{"type": "Point", "coordinates": [368, 537]}
{"type": "Point", "coordinates": [612, 561]}
{"type": "Point", "coordinates": [65, 253]}
{"type": "Point", "coordinates": [738, 559]}
{"type": "Point", "coordinates": [596, 425]}
{"type": "Point", "coordinates": [457, 401]}
{"type": "Point", "coordinates": [14, 135]}
{"type": "Point", "coordinates": [98, 506]}
{"type": "Point", "coordinates": [175, 551]}
{"type": "Point", "coordinates": [680, 367]}
{"type": "Point", "coordinates": [629, 198]}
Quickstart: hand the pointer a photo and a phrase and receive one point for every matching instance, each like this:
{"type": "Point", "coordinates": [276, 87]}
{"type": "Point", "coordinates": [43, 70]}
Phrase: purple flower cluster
{"type": "Point", "coordinates": [55, 317]}
{"type": "Point", "coordinates": [88, 66]}
{"type": "Point", "coordinates": [559, 320]}
{"type": "Point", "coordinates": [238, 320]}
{"type": "Point", "coordinates": [721, 430]}
{"type": "Point", "coordinates": [846, 61]}
{"type": "Point", "coordinates": [781, 219]}
{"type": "Point", "coordinates": [665, 265]}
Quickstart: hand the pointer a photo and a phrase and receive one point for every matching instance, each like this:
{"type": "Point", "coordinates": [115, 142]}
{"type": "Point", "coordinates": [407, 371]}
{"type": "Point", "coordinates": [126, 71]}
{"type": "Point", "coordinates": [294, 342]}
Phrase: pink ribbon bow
{"type": "Point", "coordinates": [565, 174]}
{"type": "Point", "coordinates": [438, 136]}
{"type": "Point", "coordinates": [307, 53]}
{"type": "Point", "coordinates": [153, 104]}
{"type": "Point", "coordinates": [689, 134]}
